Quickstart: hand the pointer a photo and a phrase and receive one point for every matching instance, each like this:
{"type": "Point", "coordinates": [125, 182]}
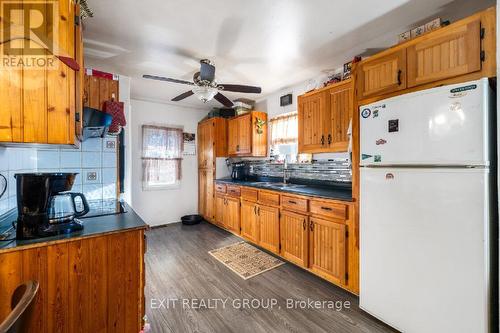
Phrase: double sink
{"type": "Point", "coordinates": [281, 186]}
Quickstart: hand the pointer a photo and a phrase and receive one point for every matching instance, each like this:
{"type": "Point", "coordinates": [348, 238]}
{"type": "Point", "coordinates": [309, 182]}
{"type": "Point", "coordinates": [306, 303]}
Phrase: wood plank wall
{"type": "Point", "coordinates": [87, 285]}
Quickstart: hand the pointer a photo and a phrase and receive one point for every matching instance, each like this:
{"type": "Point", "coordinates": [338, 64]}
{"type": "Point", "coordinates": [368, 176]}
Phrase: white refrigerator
{"type": "Point", "coordinates": [427, 209]}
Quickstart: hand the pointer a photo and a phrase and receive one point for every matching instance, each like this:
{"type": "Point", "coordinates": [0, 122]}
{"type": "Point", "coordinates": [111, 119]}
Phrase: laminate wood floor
{"type": "Point", "coordinates": [186, 288]}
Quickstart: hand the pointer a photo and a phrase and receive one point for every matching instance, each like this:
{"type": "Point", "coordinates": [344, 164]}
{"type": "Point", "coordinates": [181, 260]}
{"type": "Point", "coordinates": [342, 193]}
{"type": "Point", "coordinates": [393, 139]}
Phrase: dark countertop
{"type": "Point", "coordinates": [93, 226]}
{"type": "Point", "coordinates": [342, 192]}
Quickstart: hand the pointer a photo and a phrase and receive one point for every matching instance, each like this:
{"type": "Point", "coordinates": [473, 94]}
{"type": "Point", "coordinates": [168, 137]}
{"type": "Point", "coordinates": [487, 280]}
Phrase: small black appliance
{"type": "Point", "coordinates": [239, 171]}
{"type": "Point", "coordinates": [45, 207]}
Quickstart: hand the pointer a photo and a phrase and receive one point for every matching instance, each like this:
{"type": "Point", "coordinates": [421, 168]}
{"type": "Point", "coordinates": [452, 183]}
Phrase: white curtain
{"type": "Point", "coordinates": [284, 129]}
{"type": "Point", "coordinates": [161, 155]}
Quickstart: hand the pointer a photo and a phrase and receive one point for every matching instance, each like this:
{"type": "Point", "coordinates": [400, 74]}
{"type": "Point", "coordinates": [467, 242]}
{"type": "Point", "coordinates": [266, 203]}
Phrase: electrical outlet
{"type": "Point", "coordinates": [92, 175]}
{"type": "Point", "coordinates": [110, 144]}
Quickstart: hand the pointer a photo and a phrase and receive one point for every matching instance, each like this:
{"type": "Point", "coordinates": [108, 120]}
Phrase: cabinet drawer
{"type": "Point", "coordinates": [293, 203]}
{"type": "Point", "coordinates": [269, 198]}
{"type": "Point", "coordinates": [233, 190]}
{"type": "Point", "coordinates": [329, 209]}
{"type": "Point", "coordinates": [249, 194]}
{"type": "Point", "coordinates": [220, 188]}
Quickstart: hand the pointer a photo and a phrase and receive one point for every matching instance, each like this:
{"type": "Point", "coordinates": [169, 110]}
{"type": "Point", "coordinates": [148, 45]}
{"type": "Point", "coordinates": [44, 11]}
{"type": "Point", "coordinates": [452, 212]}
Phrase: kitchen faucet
{"type": "Point", "coordinates": [285, 171]}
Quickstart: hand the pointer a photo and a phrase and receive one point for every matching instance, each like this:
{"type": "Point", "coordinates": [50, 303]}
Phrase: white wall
{"type": "Point", "coordinates": [162, 206]}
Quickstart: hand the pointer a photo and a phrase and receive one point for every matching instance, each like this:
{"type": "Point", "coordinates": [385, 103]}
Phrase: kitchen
{"type": "Point", "coordinates": [345, 179]}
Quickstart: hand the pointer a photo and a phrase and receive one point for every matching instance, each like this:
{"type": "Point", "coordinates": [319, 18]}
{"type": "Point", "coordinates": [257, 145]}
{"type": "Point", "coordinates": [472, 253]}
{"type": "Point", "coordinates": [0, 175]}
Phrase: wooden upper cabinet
{"type": "Point", "coordinates": [246, 137]}
{"type": "Point", "coordinates": [212, 141]}
{"type": "Point", "coordinates": [38, 105]}
{"type": "Point", "coordinates": [98, 90]}
{"type": "Point", "coordinates": [244, 145]}
{"type": "Point", "coordinates": [382, 75]}
{"type": "Point", "coordinates": [445, 54]}
{"type": "Point", "coordinates": [341, 109]}
{"type": "Point", "coordinates": [323, 118]}
{"type": "Point", "coordinates": [313, 121]}
{"type": "Point", "coordinates": [249, 221]}
{"type": "Point", "coordinates": [269, 228]}
{"type": "Point", "coordinates": [327, 248]}
{"type": "Point", "coordinates": [206, 158]}
{"type": "Point", "coordinates": [294, 232]}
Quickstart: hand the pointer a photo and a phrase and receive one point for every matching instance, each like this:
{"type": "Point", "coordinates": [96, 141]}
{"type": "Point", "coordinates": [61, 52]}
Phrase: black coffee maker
{"type": "Point", "coordinates": [44, 206]}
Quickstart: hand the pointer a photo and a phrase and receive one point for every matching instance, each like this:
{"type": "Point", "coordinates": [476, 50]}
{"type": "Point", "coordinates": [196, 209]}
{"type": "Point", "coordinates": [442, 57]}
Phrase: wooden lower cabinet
{"type": "Point", "coordinates": [220, 204]}
{"type": "Point", "coordinates": [228, 212]}
{"type": "Point", "coordinates": [232, 214]}
{"type": "Point", "coordinates": [307, 231]}
{"type": "Point", "coordinates": [269, 228]}
{"type": "Point", "coordinates": [249, 221]}
{"type": "Point", "coordinates": [93, 284]}
{"type": "Point", "coordinates": [206, 194]}
{"type": "Point", "coordinates": [294, 234]}
{"type": "Point", "coordinates": [327, 249]}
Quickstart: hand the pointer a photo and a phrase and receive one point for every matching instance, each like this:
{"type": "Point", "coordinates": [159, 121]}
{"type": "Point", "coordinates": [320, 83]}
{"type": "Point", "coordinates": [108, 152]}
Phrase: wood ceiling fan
{"type": "Point", "coordinates": [206, 87]}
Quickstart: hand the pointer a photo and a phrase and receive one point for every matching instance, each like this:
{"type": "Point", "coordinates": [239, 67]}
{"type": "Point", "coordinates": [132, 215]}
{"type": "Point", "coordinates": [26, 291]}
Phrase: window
{"type": "Point", "coordinates": [284, 136]}
{"type": "Point", "coordinates": [161, 156]}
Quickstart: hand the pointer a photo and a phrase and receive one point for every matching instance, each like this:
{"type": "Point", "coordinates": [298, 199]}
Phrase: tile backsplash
{"type": "Point", "coordinates": [95, 162]}
{"type": "Point", "coordinates": [337, 170]}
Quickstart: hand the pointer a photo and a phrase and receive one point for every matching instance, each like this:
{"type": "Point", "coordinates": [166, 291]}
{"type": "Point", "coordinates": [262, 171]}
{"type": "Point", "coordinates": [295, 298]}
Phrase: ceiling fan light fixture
{"type": "Point", "coordinates": [205, 93]}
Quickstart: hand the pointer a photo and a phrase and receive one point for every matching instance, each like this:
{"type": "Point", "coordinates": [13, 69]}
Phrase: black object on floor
{"type": "Point", "coordinates": [191, 219]}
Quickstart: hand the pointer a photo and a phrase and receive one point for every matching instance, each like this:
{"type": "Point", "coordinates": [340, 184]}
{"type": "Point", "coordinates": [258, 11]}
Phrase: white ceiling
{"type": "Point", "coordinates": [270, 43]}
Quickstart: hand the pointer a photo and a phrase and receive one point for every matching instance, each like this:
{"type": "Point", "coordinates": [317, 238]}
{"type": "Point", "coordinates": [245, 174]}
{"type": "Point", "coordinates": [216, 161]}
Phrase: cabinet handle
{"type": "Point", "coordinates": [292, 202]}
{"type": "Point", "coordinates": [255, 210]}
{"type": "Point", "coordinates": [322, 140]}
{"type": "Point", "coordinates": [311, 226]}
{"type": "Point", "coordinates": [258, 211]}
{"type": "Point", "coordinates": [237, 147]}
{"type": "Point", "coordinates": [329, 138]}
{"type": "Point", "coordinates": [326, 208]}
{"type": "Point", "coordinates": [399, 77]}
{"type": "Point", "coordinates": [304, 224]}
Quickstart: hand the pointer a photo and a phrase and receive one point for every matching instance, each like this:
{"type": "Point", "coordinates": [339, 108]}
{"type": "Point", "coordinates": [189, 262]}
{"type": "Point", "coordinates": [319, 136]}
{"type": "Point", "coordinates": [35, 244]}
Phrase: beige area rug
{"type": "Point", "coordinates": [245, 260]}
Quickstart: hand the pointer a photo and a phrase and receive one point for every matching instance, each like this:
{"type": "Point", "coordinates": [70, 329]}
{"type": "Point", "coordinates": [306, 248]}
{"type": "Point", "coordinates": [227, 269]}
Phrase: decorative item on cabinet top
{"type": "Point", "coordinates": [337, 170]}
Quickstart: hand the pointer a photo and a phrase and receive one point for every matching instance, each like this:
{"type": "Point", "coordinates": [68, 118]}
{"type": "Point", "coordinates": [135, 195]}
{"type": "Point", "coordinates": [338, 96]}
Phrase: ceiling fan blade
{"type": "Point", "coordinates": [167, 79]}
{"type": "Point", "coordinates": [240, 88]}
{"type": "Point", "coordinates": [207, 71]}
{"type": "Point", "coordinates": [224, 100]}
{"type": "Point", "coordinates": [182, 96]}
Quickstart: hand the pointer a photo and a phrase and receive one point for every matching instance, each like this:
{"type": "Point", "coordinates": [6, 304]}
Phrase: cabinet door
{"type": "Point", "coordinates": [382, 75]}
{"type": "Point", "coordinates": [327, 250]}
{"type": "Point", "coordinates": [249, 221]}
{"type": "Point", "coordinates": [201, 150]}
{"type": "Point", "coordinates": [244, 145]}
{"type": "Point", "coordinates": [209, 196]}
{"type": "Point", "coordinates": [232, 136]}
{"type": "Point", "coordinates": [269, 228]}
{"type": "Point", "coordinates": [445, 54]}
{"type": "Point", "coordinates": [202, 192]}
{"type": "Point", "coordinates": [341, 109]}
{"type": "Point", "coordinates": [294, 236]}
{"type": "Point", "coordinates": [11, 124]}
{"type": "Point", "coordinates": [206, 145]}
{"type": "Point", "coordinates": [220, 208]}
{"type": "Point", "coordinates": [313, 120]}
{"type": "Point", "coordinates": [232, 214]}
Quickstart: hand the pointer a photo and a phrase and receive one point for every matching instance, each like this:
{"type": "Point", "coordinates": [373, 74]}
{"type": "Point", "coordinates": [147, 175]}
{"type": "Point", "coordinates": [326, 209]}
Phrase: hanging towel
{"type": "Point", "coordinates": [115, 109]}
